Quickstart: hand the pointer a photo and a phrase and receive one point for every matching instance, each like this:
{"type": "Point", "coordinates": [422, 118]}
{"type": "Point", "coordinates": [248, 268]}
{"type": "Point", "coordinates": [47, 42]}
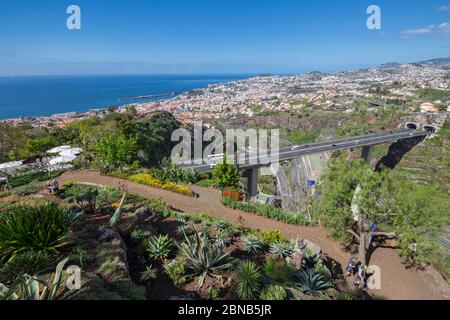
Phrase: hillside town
{"type": "Point", "coordinates": [336, 91]}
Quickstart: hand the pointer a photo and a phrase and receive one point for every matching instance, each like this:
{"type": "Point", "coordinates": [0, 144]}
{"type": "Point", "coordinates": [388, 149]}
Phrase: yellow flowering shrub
{"type": "Point", "coordinates": [147, 179]}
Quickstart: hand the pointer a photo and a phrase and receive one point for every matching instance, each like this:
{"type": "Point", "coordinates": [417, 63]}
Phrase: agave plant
{"type": "Point", "coordinates": [253, 244]}
{"type": "Point", "coordinates": [281, 250]}
{"type": "Point", "coordinates": [159, 247]}
{"type": "Point", "coordinates": [311, 283]}
{"type": "Point", "coordinates": [249, 281]}
{"type": "Point", "coordinates": [137, 235]}
{"type": "Point", "coordinates": [149, 274]}
{"type": "Point", "coordinates": [203, 257]}
{"type": "Point", "coordinates": [32, 288]}
{"type": "Point", "coordinates": [221, 225]}
{"type": "Point", "coordinates": [310, 258]}
{"type": "Point", "coordinates": [44, 229]}
{"type": "Point", "coordinates": [116, 216]}
{"type": "Point", "coordinates": [221, 239]}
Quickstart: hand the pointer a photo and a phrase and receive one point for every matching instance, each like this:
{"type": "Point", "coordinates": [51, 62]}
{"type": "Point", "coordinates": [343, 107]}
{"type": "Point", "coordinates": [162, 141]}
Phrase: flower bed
{"type": "Point", "coordinates": [147, 179]}
{"type": "Point", "coordinates": [233, 194]}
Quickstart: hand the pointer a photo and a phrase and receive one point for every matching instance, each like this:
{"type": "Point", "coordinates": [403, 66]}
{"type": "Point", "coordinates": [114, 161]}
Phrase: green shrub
{"type": "Point", "coordinates": [159, 247]}
{"type": "Point", "coordinates": [203, 257]}
{"type": "Point", "coordinates": [267, 211]}
{"type": "Point", "coordinates": [249, 281]}
{"type": "Point", "coordinates": [311, 283]}
{"type": "Point", "coordinates": [176, 174]}
{"type": "Point", "coordinates": [29, 262]}
{"type": "Point", "coordinates": [213, 293]}
{"type": "Point", "coordinates": [26, 190]}
{"type": "Point", "coordinates": [253, 244]}
{"type": "Point", "coordinates": [149, 274]}
{"type": "Point", "coordinates": [271, 236]}
{"type": "Point", "coordinates": [273, 292]}
{"type": "Point", "coordinates": [207, 183]}
{"type": "Point", "coordinates": [176, 271]}
{"type": "Point", "coordinates": [43, 228]}
{"type": "Point", "coordinates": [85, 196]}
{"type": "Point", "coordinates": [278, 271]}
{"type": "Point", "coordinates": [90, 198]}
{"type": "Point", "coordinates": [33, 177]}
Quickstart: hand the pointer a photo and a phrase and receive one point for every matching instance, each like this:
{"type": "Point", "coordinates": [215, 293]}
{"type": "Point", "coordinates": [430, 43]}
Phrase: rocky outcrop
{"type": "Point", "coordinates": [136, 218]}
{"type": "Point", "coordinates": [112, 257]}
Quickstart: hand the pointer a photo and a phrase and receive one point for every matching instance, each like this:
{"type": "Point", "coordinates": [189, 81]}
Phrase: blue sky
{"type": "Point", "coordinates": [216, 36]}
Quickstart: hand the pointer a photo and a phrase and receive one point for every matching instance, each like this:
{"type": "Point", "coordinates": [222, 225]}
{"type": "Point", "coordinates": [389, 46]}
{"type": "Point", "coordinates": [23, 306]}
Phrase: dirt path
{"type": "Point", "coordinates": [397, 282]}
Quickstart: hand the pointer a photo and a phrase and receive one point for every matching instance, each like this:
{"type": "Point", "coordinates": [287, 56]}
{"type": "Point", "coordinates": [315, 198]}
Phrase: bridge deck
{"type": "Point", "coordinates": [253, 160]}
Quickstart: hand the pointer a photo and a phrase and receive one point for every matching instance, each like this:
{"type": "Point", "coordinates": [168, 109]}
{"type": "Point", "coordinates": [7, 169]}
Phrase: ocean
{"type": "Point", "coordinates": [47, 95]}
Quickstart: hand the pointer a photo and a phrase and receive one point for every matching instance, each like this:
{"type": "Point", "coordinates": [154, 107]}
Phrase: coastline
{"type": "Point", "coordinates": [121, 91]}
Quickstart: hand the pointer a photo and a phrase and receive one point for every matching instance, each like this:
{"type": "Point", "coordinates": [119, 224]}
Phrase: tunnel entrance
{"type": "Point", "coordinates": [412, 126]}
{"type": "Point", "coordinates": [429, 128]}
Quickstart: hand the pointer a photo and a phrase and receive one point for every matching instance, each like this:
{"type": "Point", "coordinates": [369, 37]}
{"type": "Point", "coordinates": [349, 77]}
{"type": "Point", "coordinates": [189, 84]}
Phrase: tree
{"type": "Point", "coordinates": [115, 151]}
{"type": "Point", "coordinates": [12, 141]}
{"type": "Point", "coordinates": [154, 136]}
{"type": "Point", "coordinates": [226, 175]}
{"type": "Point", "coordinates": [39, 146]}
{"type": "Point", "coordinates": [401, 209]}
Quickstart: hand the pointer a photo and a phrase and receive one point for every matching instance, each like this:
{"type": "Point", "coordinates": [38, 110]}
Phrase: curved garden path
{"type": "Point", "coordinates": [397, 282]}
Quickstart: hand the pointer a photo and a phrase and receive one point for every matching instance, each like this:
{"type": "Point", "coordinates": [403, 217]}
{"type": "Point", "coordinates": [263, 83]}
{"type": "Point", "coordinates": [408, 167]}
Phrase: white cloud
{"type": "Point", "coordinates": [445, 7]}
{"type": "Point", "coordinates": [420, 31]}
{"type": "Point", "coordinates": [443, 29]}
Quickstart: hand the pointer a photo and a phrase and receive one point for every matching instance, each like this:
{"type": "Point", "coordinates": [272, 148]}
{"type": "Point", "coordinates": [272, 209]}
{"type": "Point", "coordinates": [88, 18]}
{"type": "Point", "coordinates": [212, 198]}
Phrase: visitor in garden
{"type": "Point", "coordinates": [54, 186]}
{"type": "Point", "coordinates": [373, 228]}
{"type": "Point", "coordinates": [362, 276]}
{"type": "Point", "coordinates": [351, 265]}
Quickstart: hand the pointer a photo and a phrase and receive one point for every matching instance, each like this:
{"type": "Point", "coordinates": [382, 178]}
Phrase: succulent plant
{"type": "Point", "coordinates": [159, 247]}
{"type": "Point", "coordinates": [253, 244]}
{"type": "Point", "coordinates": [249, 281]}
{"type": "Point", "coordinates": [203, 257]}
{"type": "Point", "coordinates": [311, 283]}
{"type": "Point", "coordinates": [281, 250]}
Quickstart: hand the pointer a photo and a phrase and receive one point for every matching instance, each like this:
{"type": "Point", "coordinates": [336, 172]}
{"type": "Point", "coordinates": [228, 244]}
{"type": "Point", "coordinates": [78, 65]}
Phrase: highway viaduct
{"type": "Point", "coordinates": [402, 141]}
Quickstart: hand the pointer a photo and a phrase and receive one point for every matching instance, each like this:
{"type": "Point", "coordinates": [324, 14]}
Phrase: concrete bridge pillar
{"type": "Point", "coordinates": [252, 182]}
{"type": "Point", "coordinates": [366, 154]}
